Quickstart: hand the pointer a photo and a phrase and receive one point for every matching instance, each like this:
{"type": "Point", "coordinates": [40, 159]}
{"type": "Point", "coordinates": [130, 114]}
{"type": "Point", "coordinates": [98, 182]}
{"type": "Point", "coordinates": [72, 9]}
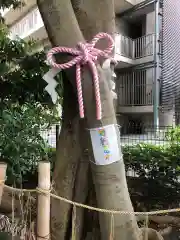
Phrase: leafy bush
{"type": "Point", "coordinates": [152, 161]}
{"type": "Point", "coordinates": [21, 144]}
{"type": "Point", "coordinates": [158, 168]}
{"type": "Point", "coordinates": [173, 135]}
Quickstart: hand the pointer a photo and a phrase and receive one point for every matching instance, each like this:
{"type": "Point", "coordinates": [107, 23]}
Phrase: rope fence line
{"type": "Point", "coordinates": [42, 191]}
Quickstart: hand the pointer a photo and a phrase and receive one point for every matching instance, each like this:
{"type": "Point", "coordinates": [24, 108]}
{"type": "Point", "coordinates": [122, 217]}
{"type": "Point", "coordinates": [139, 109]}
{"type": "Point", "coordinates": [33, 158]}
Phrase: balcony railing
{"type": "Point", "coordinates": [124, 46]}
{"type": "Point", "coordinates": [135, 88]}
{"type": "Point", "coordinates": [144, 46]}
{"type": "Point", "coordinates": [135, 48]}
{"type": "Point", "coordinates": [29, 24]}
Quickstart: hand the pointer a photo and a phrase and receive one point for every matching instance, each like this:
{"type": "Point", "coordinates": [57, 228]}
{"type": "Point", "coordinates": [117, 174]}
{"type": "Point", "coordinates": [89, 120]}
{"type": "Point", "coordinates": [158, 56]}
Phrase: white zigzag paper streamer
{"type": "Point", "coordinates": [52, 83]}
{"type": "Point", "coordinates": [110, 75]}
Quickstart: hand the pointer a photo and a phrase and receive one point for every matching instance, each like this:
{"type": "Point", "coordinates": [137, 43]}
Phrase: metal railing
{"type": "Point", "coordinates": [144, 46]}
{"type": "Point", "coordinates": [124, 46]}
{"type": "Point", "coordinates": [135, 88]}
{"type": "Point", "coordinates": [132, 133]}
{"type": "Point", "coordinates": [134, 49]}
{"type": "Point", "coordinates": [27, 25]}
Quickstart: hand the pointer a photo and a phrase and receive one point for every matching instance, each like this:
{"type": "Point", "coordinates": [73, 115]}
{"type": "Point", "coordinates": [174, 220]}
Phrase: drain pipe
{"type": "Point", "coordinates": [156, 68]}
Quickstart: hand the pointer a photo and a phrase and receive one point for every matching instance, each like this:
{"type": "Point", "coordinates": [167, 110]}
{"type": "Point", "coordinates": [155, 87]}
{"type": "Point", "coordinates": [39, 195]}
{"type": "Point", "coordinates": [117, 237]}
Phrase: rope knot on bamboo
{"type": "Point", "coordinates": [85, 54]}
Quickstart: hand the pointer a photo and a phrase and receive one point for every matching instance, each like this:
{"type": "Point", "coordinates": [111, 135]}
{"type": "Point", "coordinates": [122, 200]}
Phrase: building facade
{"type": "Point", "coordinates": [140, 44]}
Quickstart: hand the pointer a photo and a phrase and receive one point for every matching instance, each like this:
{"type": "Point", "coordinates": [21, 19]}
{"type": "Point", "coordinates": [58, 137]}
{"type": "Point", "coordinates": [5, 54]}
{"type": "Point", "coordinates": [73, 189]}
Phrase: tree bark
{"type": "Point", "coordinates": [151, 234]}
{"type": "Point", "coordinates": [68, 156]}
{"type": "Point", "coordinates": [67, 23]}
{"type": "Point", "coordinates": [162, 220]}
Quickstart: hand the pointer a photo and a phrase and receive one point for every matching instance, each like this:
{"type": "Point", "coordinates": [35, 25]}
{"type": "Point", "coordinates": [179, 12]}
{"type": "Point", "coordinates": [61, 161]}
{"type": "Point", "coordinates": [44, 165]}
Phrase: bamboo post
{"type": "Point", "coordinates": [43, 217]}
{"type": "Point", "coordinates": [3, 167]}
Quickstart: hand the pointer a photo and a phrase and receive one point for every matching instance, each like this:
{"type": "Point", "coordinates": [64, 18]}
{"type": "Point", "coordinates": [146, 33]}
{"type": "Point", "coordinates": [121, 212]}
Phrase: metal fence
{"type": "Point", "coordinates": [131, 134]}
{"type": "Point", "coordinates": [144, 46]}
{"type": "Point", "coordinates": [124, 46]}
{"type": "Point", "coordinates": [134, 134]}
{"type": "Point", "coordinates": [134, 48]}
{"type": "Point", "coordinates": [134, 88]}
{"type": "Point", "coordinates": [51, 134]}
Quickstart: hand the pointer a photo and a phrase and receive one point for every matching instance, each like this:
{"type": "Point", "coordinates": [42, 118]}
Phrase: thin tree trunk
{"type": "Point", "coordinates": [71, 169]}
{"type": "Point", "coordinates": [67, 23]}
{"type": "Point", "coordinates": [83, 182]}
{"type": "Point", "coordinates": [68, 156]}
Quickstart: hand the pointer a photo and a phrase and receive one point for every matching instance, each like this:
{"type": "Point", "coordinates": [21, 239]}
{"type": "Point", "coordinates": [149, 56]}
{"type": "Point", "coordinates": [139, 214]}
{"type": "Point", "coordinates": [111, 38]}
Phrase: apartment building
{"type": "Point", "coordinates": [141, 26]}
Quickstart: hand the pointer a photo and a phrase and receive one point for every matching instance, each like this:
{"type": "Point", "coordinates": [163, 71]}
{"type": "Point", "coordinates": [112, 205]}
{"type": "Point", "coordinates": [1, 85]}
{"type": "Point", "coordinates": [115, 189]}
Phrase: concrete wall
{"type": "Point", "coordinates": [134, 2]}
{"type": "Point", "coordinates": [122, 119]}
{"type": "Point", "coordinates": [138, 1]}
{"type": "Point", "coordinates": [122, 27]}
{"type": "Point", "coordinates": [144, 26]}
{"type": "Point", "coordinates": [165, 119]}
{"type": "Point", "coordinates": [150, 23]}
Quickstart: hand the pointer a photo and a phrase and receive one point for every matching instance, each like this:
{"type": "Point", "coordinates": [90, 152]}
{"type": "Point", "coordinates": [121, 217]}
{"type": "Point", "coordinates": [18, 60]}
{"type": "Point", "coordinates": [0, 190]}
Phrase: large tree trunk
{"type": "Point", "coordinates": [67, 23]}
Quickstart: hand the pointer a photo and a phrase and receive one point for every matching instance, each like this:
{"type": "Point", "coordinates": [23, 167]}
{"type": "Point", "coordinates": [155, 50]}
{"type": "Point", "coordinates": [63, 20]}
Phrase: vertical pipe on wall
{"type": "Point", "coordinates": [156, 68]}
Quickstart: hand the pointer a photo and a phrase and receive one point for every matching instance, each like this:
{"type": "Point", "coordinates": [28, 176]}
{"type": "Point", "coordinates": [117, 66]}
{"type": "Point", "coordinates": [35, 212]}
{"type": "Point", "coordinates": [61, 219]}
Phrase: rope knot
{"type": "Point", "coordinates": [88, 53]}
{"type": "Point", "coordinates": [85, 54]}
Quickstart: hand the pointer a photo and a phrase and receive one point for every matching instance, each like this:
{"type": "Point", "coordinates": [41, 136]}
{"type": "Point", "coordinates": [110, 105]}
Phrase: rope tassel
{"type": "Point", "coordinates": [85, 53]}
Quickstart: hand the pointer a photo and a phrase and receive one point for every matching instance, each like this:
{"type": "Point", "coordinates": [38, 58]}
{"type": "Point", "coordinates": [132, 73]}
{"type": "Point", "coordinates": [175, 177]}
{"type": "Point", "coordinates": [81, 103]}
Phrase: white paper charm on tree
{"type": "Point", "coordinates": [109, 75]}
{"type": "Point", "coordinates": [52, 83]}
{"type": "Point", "coordinates": [105, 144]}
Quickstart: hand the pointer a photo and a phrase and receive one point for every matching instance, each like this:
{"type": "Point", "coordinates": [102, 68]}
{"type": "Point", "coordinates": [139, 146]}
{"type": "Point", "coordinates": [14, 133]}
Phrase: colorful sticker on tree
{"type": "Point", "coordinates": [105, 144]}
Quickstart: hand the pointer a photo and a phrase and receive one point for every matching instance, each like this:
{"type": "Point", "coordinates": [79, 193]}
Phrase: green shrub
{"type": "Point", "coordinates": [21, 143]}
{"type": "Point", "coordinates": [173, 135]}
{"type": "Point", "coordinates": [158, 168]}
{"type": "Point", "coordinates": [152, 161]}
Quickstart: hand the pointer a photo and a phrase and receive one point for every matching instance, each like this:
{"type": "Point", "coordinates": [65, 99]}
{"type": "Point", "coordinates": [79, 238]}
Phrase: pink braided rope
{"type": "Point", "coordinates": [85, 53]}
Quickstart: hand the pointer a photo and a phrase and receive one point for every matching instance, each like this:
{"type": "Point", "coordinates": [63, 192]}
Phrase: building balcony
{"type": "Point", "coordinates": [123, 5]}
{"type": "Point", "coordinates": [131, 52]}
{"type": "Point", "coordinates": [128, 51]}
{"type": "Point", "coordinates": [135, 91]}
{"type": "Point", "coordinates": [31, 26]}
{"type": "Point", "coordinates": [12, 15]}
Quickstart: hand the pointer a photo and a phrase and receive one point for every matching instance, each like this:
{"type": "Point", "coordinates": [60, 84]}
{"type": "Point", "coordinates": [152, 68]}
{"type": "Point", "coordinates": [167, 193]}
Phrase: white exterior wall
{"type": "Point", "coordinates": [150, 22]}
